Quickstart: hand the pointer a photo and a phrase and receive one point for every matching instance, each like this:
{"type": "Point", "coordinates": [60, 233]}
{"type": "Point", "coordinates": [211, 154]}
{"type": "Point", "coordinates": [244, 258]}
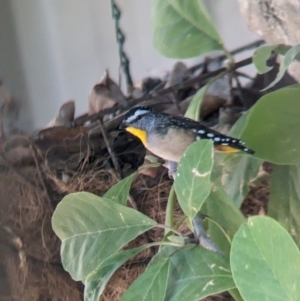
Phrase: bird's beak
{"type": "Point", "coordinates": [123, 126]}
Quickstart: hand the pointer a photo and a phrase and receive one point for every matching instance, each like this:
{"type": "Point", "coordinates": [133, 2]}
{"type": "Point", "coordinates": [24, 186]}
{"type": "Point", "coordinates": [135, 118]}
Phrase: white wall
{"type": "Point", "coordinates": [11, 68]}
{"type": "Point", "coordinates": [56, 50]}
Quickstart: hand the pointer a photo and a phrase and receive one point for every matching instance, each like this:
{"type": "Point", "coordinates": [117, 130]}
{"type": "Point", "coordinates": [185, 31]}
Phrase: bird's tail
{"type": "Point", "coordinates": [232, 145]}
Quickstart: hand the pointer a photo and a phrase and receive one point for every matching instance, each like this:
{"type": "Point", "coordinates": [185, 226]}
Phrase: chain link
{"type": "Point", "coordinates": [124, 61]}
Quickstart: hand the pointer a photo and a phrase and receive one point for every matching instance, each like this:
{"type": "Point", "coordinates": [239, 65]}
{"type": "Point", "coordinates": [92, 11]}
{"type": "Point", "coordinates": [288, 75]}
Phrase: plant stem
{"type": "Point", "coordinates": [170, 229]}
{"type": "Point", "coordinates": [222, 230]}
{"type": "Point", "coordinates": [162, 243]}
{"type": "Point", "coordinates": [169, 220]}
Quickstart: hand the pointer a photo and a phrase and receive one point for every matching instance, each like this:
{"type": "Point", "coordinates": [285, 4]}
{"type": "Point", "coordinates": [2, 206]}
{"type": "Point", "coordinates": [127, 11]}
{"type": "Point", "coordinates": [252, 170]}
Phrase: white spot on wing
{"type": "Point", "coordinates": [217, 138]}
{"type": "Point", "coordinates": [201, 131]}
{"type": "Point", "coordinates": [210, 135]}
{"type": "Point", "coordinates": [198, 138]}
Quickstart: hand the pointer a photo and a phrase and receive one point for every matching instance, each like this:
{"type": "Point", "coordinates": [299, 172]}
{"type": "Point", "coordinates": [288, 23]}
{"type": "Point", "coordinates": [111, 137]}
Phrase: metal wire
{"type": "Point", "coordinates": [124, 61]}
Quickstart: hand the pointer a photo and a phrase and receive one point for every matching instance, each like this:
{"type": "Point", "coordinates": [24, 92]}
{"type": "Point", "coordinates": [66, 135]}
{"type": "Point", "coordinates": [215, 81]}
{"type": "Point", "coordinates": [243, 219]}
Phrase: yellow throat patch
{"type": "Point", "coordinates": [141, 134]}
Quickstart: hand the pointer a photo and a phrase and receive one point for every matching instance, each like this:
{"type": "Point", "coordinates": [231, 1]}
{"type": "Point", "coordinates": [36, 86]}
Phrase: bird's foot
{"type": "Point", "coordinates": [172, 168]}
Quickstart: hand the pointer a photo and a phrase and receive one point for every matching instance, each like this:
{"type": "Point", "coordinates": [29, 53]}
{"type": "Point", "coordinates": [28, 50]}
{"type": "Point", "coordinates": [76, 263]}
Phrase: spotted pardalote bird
{"type": "Point", "coordinates": [168, 136]}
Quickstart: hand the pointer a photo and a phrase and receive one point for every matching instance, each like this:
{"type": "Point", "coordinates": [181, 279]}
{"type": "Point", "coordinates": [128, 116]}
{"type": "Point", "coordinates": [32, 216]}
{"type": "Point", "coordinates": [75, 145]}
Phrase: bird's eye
{"type": "Point", "coordinates": [138, 117]}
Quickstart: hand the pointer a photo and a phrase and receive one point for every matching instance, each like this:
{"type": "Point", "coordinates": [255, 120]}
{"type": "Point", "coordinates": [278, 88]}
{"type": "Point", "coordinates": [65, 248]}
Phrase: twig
{"type": "Point", "coordinates": [115, 161]}
{"type": "Point", "coordinates": [239, 87]}
{"type": "Point", "coordinates": [133, 203]}
{"type": "Point", "coordinates": [229, 100]}
{"type": "Point", "coordinates": [110, 149]}
{"type": "Point", "coordinates": [187, 83]}
{"type": "Point", "coordinates": [223, 57]}
{"type": "Point", "coordinates": [176, 103]}
{"type": "Point", "coordinates": [242, 74]}
{"type": "Point", "coordinates": [79, 121]}
{"type": "Point", "coordinates": [249, 46]}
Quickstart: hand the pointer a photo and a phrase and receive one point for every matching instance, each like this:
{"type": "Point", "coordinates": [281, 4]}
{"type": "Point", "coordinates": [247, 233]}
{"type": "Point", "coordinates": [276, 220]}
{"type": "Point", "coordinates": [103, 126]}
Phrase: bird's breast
{"type": "Point", "coordinates": [171, 145]}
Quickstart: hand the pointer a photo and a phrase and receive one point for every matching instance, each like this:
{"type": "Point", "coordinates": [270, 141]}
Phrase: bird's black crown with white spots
{"type": "Point", "coordinates": [150, 120]}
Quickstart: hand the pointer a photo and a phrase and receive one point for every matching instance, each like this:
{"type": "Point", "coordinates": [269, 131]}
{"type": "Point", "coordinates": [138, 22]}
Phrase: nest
{"type": "Point", "coordinates": [37, 172]}
{"type": "Point", "coordinates": [30, 259]}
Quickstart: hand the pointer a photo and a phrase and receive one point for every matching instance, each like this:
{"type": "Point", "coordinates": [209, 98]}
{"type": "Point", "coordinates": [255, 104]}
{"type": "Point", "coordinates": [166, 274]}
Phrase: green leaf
{"type": "Point", "coordinates": [262, 54]}
{"type": "Point", "coordinates": [179, 240]}
{"type": "Point", "coordinates": [92, 229]}
{"type": "Point", "coordinates": [235, 294]}
{"type": "Point", "coordinates": [265, 261]}
{"type": "Point", "coordinates": [183, 29]}
{"type": "Point", "coordinates": [222, 210]}
{"type": "Point", "coordinates": [193, 110]}
{"type": "Point", "coordinates": [239, 125]}
{"type": "Point", "coordinates": [195, 273]}
{"type": "Point", "coordinates": [230, 179]}
{"type": "Point", "coordinates": [284, 200]}
{"type": "Point", "coordinates": [235, 172]}
{"type": "Point", "coordinates": [95, 283]}
{"type": "Point", "coordinates": [192, 183]}
{"type": "Point", "coordinates": [120, 191]}
{"type": "Point", "coordinates": [273, 124]}
{"type": "Point", "coordinates": [287, 60]}
{"type": "Point", "coordinates": [151, 285]}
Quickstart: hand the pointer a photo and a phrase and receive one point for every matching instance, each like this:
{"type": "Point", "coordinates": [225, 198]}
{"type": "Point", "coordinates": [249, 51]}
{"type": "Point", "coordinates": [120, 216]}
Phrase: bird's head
{"type": "Point", "coordinates": [139, 117]}
{"type": "Point", "coordinates": [139, 121]}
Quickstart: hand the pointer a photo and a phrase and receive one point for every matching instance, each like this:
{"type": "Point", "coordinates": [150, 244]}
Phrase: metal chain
{"type": "Point", "coordinates": [124, 61]}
